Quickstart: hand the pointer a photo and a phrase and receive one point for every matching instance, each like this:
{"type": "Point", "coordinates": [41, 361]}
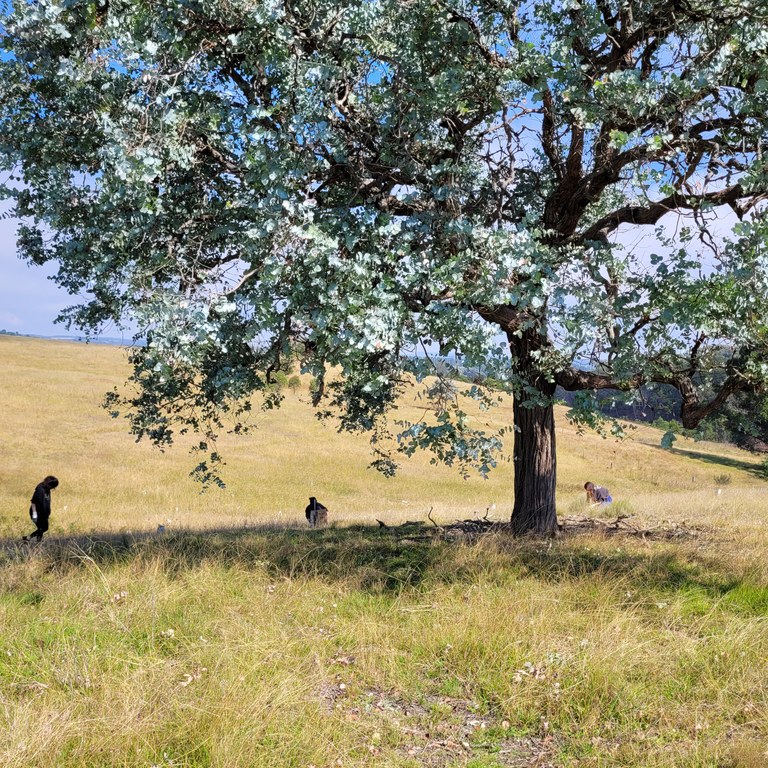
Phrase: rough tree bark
{"type": "Point", "coordinates": [535, 469]}
{"type": "Point", "coordinates": [534, 449]}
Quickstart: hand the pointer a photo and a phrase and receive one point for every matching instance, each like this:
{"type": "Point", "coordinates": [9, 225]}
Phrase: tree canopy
{"type": "Point", "coordinates": [559, 193]}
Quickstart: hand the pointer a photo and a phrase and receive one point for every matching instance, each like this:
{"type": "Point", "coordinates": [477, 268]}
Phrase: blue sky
{"type": "Point", "coordinates": [29, 301]}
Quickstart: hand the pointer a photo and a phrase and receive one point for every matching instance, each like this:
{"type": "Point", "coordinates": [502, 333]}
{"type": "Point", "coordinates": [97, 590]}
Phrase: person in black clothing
{"type": "Point", "coordinates": [40, 508]}
{"type": "Point", "coordinates": [316, 513]}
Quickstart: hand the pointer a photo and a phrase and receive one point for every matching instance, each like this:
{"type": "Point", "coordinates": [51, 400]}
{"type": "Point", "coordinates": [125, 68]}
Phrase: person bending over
{"type": "Point", "coordinates": [316, 513]}
{"type": "Point", "coordinates": [40, 507]}
{"type": "Point", "coordinates": [596, 494]}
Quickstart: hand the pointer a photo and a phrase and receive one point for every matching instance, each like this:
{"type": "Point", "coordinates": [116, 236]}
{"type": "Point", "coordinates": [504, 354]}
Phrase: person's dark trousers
{"type": "Point", "coordinates": [42, 527]}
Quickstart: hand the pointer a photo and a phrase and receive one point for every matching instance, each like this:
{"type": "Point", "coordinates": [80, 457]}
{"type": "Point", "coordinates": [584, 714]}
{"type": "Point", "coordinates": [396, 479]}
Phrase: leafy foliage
{"type": "Point", "coordinates": [374, 181]}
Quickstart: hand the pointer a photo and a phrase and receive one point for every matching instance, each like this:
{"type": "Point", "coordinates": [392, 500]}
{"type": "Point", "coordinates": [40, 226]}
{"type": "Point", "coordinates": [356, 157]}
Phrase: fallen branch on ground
{"type": "Point", "coordinates": [473, 527]}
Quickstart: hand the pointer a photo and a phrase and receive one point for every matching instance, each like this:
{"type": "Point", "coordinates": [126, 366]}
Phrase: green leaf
{"type": "Point", "coordinates": [668, 439]}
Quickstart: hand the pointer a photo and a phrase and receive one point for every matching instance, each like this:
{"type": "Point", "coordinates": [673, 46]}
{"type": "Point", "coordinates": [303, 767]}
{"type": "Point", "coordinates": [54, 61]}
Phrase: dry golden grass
{"type": "Point", "coordinates": [53, 424]}
{"type": "Point", "coordinates": [273, 646]}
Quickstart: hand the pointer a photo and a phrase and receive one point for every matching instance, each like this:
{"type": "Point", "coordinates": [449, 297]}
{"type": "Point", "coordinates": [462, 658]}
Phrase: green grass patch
{"type": "Point", "coordinates": [248, 641]}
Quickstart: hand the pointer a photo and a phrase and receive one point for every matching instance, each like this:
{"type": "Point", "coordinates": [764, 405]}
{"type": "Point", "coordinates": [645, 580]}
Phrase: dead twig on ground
{"type": "Point", "coordinates": [432, 519]}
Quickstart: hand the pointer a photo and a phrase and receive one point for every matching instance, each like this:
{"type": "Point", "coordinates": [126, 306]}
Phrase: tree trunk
{"type": "Point", "coordinates": [534, 456]}
{"type": "Point", "coordinates": [535, 470]}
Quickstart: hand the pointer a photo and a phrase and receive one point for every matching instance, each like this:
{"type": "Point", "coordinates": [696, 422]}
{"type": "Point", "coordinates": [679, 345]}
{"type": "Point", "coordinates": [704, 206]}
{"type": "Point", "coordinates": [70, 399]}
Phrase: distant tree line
{"type": "Point", "coordinates": [743, 421]}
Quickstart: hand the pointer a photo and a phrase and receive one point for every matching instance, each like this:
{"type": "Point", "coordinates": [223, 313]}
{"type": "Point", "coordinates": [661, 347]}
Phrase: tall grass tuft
{"type": "Point", "coordinates": [239, 638]}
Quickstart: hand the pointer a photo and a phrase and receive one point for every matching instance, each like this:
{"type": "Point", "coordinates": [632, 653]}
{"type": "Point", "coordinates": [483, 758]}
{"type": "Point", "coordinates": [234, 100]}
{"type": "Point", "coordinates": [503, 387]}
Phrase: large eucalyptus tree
{"type": "Point", "coordinates": [558, 192]}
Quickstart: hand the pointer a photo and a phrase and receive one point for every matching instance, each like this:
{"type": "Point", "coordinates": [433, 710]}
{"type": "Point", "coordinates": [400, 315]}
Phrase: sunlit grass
{"type": "Point", "coordinates": [53, 424]}
{"type": "Point", "coordinates": [255, 642]}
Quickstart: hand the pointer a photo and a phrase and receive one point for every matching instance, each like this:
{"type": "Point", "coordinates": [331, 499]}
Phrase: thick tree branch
{"type": "Point", "coordinates": [650, 214]}
{"type": "Point", "coordinates": [692, 410]}
{"type": "Point", "coordinates": [574, 380]}
{"type": "Point", "coordinates": [548, 135]}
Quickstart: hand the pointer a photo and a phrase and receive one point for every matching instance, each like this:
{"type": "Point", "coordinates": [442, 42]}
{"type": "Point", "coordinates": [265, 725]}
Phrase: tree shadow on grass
{"type": "Point", "coordinates": [385, 561]}
{"type": "Point", "coordinates": [721, 461]}
{"type": "Point", "coordinates": [363, 554]}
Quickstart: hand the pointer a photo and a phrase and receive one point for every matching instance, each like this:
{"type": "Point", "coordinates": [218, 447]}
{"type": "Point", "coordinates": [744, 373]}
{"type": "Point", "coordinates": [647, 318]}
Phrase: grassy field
{"type": "Point", "coordinates": [238, 638]}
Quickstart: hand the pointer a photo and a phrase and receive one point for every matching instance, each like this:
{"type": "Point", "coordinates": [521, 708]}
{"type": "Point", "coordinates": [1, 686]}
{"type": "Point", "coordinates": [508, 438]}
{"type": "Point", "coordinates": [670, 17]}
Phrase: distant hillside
{"type": "Point", "coordinates": [648, 403]}
{"type": "Point", "coordinates": [112, 340]}
{"type": "Point", "coordinates": [53, 424]}
{"type": "Point", "coordinates": [742, 422]}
